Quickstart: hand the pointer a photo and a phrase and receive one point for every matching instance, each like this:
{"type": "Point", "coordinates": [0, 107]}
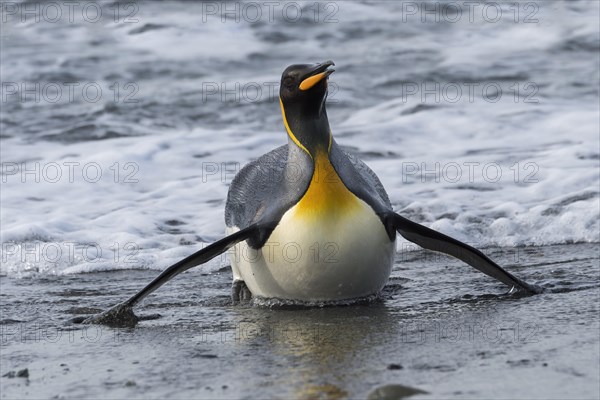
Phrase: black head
{"type": "Point", "coordinates": [304, 87]}
{"type": "Point", "coordinates": [303, 92]}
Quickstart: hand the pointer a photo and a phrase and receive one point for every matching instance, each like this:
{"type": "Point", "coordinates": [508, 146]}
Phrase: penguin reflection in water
{"type": "Point", "coordinates": [327, 203]}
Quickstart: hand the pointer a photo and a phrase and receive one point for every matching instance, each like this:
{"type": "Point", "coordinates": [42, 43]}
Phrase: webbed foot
{"type": "Point", "coordinates": [120, 316]}
{"type": "Point", "coordinates": [240, 292]}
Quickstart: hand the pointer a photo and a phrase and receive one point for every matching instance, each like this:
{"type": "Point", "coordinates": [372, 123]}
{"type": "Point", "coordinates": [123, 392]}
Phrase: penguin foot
{"type": "Point", "coordinates": [120, 316]}
{"type": "Point", "coordinates": [240, 292]}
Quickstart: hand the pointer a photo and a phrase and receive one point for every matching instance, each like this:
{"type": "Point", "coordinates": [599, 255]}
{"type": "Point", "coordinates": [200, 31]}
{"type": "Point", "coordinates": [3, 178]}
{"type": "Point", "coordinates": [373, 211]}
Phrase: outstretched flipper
{"type": "Point", "coordinates": [122, 314]}
{"type": "Point", "coordinates": [436, 241]}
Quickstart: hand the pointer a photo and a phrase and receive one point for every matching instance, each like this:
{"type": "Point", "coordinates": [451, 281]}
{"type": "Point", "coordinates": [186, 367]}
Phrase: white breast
{"type": "Point", "coordinates": [326, 259]}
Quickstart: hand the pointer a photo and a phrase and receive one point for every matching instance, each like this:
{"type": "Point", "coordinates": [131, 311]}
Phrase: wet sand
{"type": "Point", "coordinates": [440, 327]}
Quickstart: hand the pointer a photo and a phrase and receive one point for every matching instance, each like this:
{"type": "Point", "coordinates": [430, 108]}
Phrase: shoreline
{"type": "Point", "coordinates": [454, 335]}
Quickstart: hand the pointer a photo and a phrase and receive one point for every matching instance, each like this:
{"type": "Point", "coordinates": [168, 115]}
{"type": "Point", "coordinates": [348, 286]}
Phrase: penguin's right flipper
{"type": "Point", "coordinates": [436, 241]}
{"type": "Point", "coordinates": [122, 314]}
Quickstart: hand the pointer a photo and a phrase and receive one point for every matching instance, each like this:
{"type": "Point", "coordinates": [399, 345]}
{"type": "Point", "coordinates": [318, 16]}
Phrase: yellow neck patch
{"type": "Point", "coordinates": [326, 197]}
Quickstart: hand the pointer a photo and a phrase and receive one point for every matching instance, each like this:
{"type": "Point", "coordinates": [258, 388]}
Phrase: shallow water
{"type": "Point", "coordinates": [440, 327]}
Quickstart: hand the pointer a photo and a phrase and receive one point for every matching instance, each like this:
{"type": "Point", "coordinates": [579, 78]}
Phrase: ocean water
{"type": "Point", "coordinates": [487, 131]}
{"type": "Point", "coordinates": [123, 123]}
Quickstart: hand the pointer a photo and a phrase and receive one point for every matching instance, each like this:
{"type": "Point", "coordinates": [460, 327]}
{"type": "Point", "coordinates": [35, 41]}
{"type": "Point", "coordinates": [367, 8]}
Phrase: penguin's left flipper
{"type": "Point", "coordinates": [122, 314]}
{"type": "Point", "coordinates": [436, 241]}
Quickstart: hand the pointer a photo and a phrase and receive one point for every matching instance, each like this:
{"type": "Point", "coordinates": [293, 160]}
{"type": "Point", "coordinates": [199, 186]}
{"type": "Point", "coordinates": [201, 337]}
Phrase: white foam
{"type": "Point", "coordinates": [172, 183]}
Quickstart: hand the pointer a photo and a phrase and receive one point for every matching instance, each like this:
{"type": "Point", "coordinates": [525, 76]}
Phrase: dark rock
{"type": "Point", "coordinates": [23, 373]}
{"type": "Point", "coordinates": [393, 392]}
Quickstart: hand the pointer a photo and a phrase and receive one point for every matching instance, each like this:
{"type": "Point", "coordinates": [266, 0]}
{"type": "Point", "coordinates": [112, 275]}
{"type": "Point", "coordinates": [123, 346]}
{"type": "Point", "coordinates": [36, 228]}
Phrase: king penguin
{"type": "Point", "coordinates": [309, 222]}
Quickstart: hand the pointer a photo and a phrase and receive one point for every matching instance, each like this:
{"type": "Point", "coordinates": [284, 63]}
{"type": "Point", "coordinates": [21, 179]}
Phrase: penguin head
{"type": "Point", "coordinates": [302, 96]}
{"type": "Point", "coordinates": [304, 87]}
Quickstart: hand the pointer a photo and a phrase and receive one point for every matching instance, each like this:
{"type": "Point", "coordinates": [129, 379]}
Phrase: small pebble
{"type": "Point", "coordinates": [395, 367]}
{"type": "Point", "coordinates": [23, 373]}
{"type": "Point", "coordinates": [394, 392]}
